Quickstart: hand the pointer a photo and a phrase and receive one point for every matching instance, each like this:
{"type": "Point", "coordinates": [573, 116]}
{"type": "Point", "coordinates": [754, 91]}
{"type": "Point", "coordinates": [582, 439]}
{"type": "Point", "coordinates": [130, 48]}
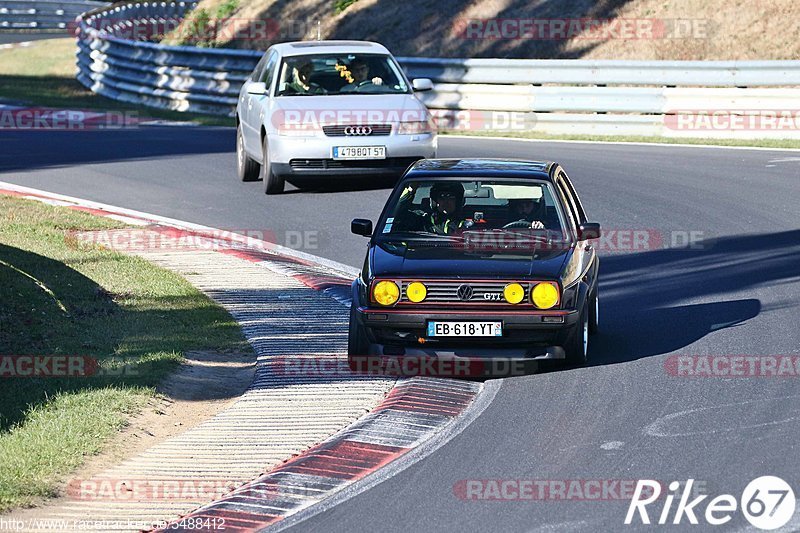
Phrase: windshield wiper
{"type": "Point", "coordinates": [432, 234]}
{"type": "Point", "coordinates": [426, 235]}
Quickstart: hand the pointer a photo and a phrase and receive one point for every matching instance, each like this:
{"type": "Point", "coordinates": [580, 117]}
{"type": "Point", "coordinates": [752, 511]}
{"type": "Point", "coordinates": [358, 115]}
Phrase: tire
{"type": "Point", "coordinates": [272, 183]}
{"type": "Point", "coordinates": [246, 168]}
{"type": "Point", "coordinates": [577, 344]}
{"type": "Point", "coordinates": [594, 312]}
{"type": "Point", "coordinates": [357, 343]}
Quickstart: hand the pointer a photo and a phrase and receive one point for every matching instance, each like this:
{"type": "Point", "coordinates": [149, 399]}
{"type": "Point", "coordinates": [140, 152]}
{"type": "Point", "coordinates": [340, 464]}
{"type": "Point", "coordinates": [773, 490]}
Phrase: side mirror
{"type": "Point", "coordinates": [422, 84]}
{"type": "Point", "coordinates": [257, 87]}
{"type": "Point", "coordinates": [588, 230]}
{"type": "Point", "coordinates": [361, 226]}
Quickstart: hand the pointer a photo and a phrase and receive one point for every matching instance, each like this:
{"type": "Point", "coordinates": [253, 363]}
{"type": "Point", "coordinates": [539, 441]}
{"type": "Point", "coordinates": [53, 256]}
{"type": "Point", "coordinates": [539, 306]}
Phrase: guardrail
{"type": "Point", "coordinates": [181, 78]}
{"type": "Point", "coordinates": [607, 72]}
{"type": "Point", "coordinates": [42, 14]}
{"type": "Point", "coordinates": [598, 97]}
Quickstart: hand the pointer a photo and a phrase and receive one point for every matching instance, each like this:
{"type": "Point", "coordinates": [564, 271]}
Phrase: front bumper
{"type": "Point", "coordinates": [312, 155]}
{"type": "Point", "coordinates": [528, 335]}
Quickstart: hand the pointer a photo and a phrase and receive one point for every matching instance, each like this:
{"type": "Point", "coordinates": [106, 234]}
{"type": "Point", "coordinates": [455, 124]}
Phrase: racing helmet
{"type": "Point", "coordinates": [452, 188]}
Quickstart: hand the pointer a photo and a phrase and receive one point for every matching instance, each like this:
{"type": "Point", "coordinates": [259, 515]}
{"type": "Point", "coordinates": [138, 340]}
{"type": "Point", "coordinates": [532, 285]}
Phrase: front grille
{"type": "Point", "coordinates": [339, 131]}
{"type": "Point", "coordinates": [447, 292]}
{"type": "Point", "coordinates": [325, 164]}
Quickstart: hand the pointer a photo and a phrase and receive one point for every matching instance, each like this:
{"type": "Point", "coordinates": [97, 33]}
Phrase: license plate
{"type": "Point", "coordinates": [465, 329]}
{"type": "Point", "coordinates": [359, 152]}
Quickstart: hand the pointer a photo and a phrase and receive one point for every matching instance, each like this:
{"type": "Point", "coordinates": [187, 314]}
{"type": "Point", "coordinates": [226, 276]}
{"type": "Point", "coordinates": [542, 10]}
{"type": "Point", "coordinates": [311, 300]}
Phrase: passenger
{"type": "Point", "coordinates": [301, 80]}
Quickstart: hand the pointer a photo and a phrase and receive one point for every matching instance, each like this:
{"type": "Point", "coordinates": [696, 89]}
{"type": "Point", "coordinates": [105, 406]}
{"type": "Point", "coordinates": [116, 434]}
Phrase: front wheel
{"type": "Point", "coordinates": [357, 343]}
{"type": "Point", "coordinates": [272, 184]}
{"type": "Point", "coordinates": [246, 168]}
{"type": "Point", "coordinates": [577, 346]}
{"type": "Point", "coordinates": [594, 312]}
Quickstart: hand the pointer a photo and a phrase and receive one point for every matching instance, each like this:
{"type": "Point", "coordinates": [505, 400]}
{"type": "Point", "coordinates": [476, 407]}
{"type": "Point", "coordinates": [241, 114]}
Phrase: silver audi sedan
{"type": "Point", "coordinates": [330, 108]}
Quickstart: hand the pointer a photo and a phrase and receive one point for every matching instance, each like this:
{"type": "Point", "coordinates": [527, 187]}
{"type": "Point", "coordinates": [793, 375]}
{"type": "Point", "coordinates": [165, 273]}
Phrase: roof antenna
{"type": "Point", "coordinates": [319, 31]}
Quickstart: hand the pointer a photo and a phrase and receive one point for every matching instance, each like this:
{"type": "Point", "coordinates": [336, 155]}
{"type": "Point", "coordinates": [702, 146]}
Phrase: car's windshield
{"type": "Point", "coordinates": [330, 74]}
{"type": "Point", "coordinates": [473, 210]}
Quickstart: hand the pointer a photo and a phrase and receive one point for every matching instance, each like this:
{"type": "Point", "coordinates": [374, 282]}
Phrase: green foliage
{"type": "Point", "coordinates": [227, 8]}
{"type": "Point", "coordinates": [341, 5]}
{"type": "Point", "coordinates": [197, 29]}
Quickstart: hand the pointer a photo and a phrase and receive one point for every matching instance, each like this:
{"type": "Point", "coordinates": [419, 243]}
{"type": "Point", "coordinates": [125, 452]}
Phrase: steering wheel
{"type": "Point", "coordinates": [521, 223]}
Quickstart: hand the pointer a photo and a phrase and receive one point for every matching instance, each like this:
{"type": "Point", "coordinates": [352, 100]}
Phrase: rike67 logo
{"type": "Point", "coordinates": [767, 502]}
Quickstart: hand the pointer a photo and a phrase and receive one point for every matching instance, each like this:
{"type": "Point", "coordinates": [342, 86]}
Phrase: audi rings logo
{"type": "Point", "coordinates": [464, 292]}
{"type": "Point", "coordinates": [358, 130]}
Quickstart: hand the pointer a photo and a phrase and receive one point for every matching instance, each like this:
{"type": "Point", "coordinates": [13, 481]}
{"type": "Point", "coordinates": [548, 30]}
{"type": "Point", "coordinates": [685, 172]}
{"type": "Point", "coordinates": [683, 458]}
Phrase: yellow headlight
{"type": "Point", "coordinates": [385, 292]}
{"type": "Point", "coordinates": [514, 293]}
{"type": "Point", "coordinates": [545, 295]}
{"type": "Point", "coordinates": [416, 292]}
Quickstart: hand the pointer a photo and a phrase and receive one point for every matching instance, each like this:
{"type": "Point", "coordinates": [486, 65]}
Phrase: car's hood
{"type": "Point", "coordinates": [350, 109]}
{"type": "Point", "coordinates": [420, 261]}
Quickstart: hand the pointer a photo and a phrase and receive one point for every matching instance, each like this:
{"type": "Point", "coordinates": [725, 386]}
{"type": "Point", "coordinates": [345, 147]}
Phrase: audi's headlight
{"type": "Point", "coordinates": [415, 128]}
{"type": "Point", "coordinates": [416, 292]}
{"type": "Point", "coordinates": [545, 295]}
{"type": "Point", "coordinates": [386, 292]}
{"type": "Point", "coordinates": [513, 293]}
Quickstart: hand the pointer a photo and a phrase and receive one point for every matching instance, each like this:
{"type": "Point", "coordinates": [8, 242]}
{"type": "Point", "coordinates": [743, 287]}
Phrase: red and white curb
{"type": "Point", "coordinates": [414, 411]}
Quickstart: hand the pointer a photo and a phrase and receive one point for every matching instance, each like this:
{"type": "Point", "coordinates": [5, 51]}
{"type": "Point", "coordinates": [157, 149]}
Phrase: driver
{"type": "Point", "coordinates": [527, 210]}
{"type": "Point", "coordinates": [359, 70]}
{"type": "Point", "coordinates": [447, 201]}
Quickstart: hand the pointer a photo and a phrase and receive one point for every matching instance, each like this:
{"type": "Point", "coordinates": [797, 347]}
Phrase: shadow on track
{"type": "Point", "coordinates": [340, 184]}
{"type": "Point", "coordinates": [640, 293]}
{"type": "Point", "coordinates": [24, 150]}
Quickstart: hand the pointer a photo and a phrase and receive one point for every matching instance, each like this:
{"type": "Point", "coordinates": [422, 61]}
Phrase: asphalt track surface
{"type": "Point", "coordinates": [624, 417]}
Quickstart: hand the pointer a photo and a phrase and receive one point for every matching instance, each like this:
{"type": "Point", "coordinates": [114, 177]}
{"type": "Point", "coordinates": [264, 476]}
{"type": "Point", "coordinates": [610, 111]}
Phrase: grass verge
{"type": "Point", "coordinates": [43, 74]}
{"type": "Point", "coordinates": [136, 319]}
{"type": "Point", "coordinates": [762, 143]}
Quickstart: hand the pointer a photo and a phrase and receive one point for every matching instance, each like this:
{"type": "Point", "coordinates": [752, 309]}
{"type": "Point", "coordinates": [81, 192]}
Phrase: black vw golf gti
{"type": "Point", "coordinates": [477, 259]}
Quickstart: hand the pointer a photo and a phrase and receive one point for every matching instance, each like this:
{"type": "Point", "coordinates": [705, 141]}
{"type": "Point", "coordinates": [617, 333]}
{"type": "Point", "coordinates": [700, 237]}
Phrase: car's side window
{"type": "Point", "coordinates": [576, 203]}
{"type": "Point", "coordinates": [269, 69]}
{"type": "Point", "coordinates": [256, 75]}
{"type": "Point", "coordinates": [571, 214]}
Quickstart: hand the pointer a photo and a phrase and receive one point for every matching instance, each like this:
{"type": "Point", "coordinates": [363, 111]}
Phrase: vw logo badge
{"type": "Point", "coordinates": [464, 292]}
{"type": "Point", "coordinates": [358, 130]}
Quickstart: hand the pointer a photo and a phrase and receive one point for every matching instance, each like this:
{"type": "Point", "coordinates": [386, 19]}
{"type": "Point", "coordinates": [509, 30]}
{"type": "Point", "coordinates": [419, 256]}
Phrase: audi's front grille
{"type": "Point", "coordinates": [358, 130]}
{"type": "Point", "coordinates": [482, 292]}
